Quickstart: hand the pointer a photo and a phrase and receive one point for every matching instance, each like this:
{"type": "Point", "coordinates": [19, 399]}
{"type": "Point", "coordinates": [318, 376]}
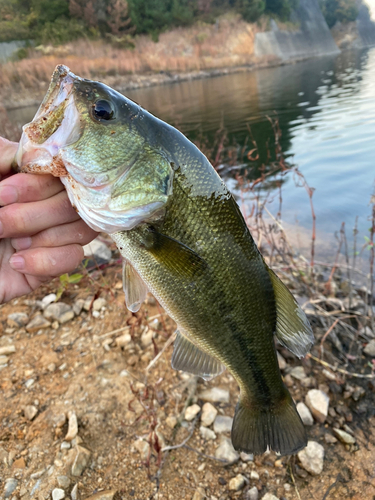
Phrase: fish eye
{"type": "Point", "coordinates": [103, 110]}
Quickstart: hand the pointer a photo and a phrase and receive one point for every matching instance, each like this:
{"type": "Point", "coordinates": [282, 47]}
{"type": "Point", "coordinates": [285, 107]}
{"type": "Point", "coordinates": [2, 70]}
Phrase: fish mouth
{"type": "Point", "coordinates": [55, 126]}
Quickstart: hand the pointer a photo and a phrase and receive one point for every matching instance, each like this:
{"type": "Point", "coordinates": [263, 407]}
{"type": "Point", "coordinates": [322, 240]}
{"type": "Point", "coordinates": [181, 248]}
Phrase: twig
{"type": "Point", "coordinates": [337, 320]}
{"type": "Point", "coordinates": [340, 370]}
{"type": "Point", "coordinates": [338, 480]}
{"type": "Point", "coordinates": [108, 334]}
{"type": "Point", "coordinates": [222, 460]}
{"type": "Point", "coordinates": [165, 347]}
{"type": "Point", "coordinates": [294, 482]}
{"type": "Point", "coordinates": [168, 448]}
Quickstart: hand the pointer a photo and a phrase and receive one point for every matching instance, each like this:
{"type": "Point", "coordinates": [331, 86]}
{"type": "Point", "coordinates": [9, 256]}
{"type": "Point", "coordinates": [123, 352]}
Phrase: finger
{"type": "Point", "coordinates": [25, 219]}
{"type": "Point", "coordinates": [7, 152]}
{"type": "Point", "coordinates": [46, 262]}
{"type": "Point", "coordinates": [24, 188]}
{"type": "Point", "coordinates": [75, 232]}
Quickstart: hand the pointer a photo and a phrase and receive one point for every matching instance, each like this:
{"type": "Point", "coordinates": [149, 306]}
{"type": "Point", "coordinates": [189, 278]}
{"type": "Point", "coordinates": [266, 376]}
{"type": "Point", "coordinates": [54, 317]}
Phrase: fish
{"type": "Point", "coordinates": [183, 238]}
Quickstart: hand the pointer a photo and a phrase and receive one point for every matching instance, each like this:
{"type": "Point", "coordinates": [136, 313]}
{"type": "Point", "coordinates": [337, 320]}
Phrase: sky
{"type": "Point", "coordinates": [371, 4]}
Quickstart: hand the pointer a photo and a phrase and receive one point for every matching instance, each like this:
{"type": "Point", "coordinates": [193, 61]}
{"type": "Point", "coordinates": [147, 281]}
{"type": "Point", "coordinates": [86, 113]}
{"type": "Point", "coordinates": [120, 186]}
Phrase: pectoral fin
{"type": "Point", "coordinates": [174, 255]}
{"type": "Point", "coordinates": [293, 329]}
{"type": "Point", "coordinates": [189, 358]}
{"type": "Point", "coordinates": [134, 288]}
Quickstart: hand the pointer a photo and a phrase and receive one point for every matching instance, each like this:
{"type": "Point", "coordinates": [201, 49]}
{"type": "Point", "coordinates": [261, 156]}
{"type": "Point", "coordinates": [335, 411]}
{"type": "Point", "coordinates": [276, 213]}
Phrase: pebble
{"type": "Point", "coordinates": [329, 374]}
{"type": "Point", "coordinates": [58, 494]}
{"type": "Point", "coordinates": [98, 304]}
{"type": "Point", "coordinates": [98, 250]}
{"type": "Point", "coordinates": [74, 494]}
{"type": "Point", "coordinates": [29, 383]}
{"type": "Point", "coordinates": [254, 475]}
{"type": "Point", "coordinates": [237, 483]}
{"type": "Point", "coordinates": [367, 332]}
{"type": "Point", "coordinates": [246, 457]}
{"type": "Point", "coordinates": [6, 350]}
{"type": "Point", "coordinates": [312, 457]}
{"type": "Point", "coordinates": [146, 337]}
{"type": "Point", "coordinates": [78, 306]}
{"type": "Point", "coordinates": [10, 486]}
{"type": "Point", "coordinates": [72, 426]}
{"type": "Point", "coordinates": [298, 373]}
{"type": "Point", "coordinates": [103, 495]}
{"type": "Point", "coordinates": [191, 412]}
{"type": "Point", "coordinates": [209, 413]}
{"type": "Point", "coordinates": [59, 311]}
{"type": "Point", "coordinates": [370, 348]}
{"type": "Point", "coordinates": [199, 494]}
{"type": "Point", "coordinates": [343, 436]}
{"type": "Point", "coordinates": [63, 481]}
{"type": "Point", "coordinates": [123, 340]}
{"type": "Point", "coordinates": [252, 494]}
{"type": "Point", "coordinates": [269, 496]}
{"type": "Point", "coordinates": [215, 395]}
{"type": "Point", "coordinates": [81, 461]}
{"type": "Point", "coordinates": [223, 424]}
{"type": "Point", "coordinates": [3, 360]}
{"type": "Point", "coordinates": [281, 360]}
{"type": "Point", "coordinates": [305, 414]}
{"type": "Point", "coordinates": [318, 402]}
{"type": "Point", "coordinates": [171, 421]}
{"type": "Point", "coordinates": [143, 447]}
{"type": "Point", "coordinates": [17, 319]}
{"type": "Point", "coordinates": [207, 433]}
{"type": "Point", "coordinates": [30, 412]}
{"type": "Point", "coordinates": [47, 300]}
{"type": "Point", "coordinates": [37, 323]}
{"type": "Point", "coordinates": [225, 450]}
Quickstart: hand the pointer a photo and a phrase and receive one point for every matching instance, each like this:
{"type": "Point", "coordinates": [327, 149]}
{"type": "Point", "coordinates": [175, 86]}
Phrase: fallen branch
{"type": "Point", "coordinates": [159, 355]}
{"type": "Point", "coordinates": [341, 370]}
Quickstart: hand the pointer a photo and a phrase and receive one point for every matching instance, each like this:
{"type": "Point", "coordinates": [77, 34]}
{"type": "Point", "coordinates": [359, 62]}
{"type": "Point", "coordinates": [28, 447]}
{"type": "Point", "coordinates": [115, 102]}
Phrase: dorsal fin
{"type": "Point", "coordinates": [293, 329]}
{"type": "Point", "coordinates": [189, 358]}
{"type": "Point", "coordinates": [134, 287]}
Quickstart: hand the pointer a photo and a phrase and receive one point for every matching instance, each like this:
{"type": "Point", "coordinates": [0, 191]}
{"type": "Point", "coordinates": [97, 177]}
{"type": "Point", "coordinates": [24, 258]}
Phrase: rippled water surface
{"type": "Point", "coordinates": [326, 109]}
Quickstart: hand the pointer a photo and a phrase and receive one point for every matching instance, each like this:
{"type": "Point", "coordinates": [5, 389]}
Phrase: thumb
{"type": "Point", "coordinates": [7, 151]}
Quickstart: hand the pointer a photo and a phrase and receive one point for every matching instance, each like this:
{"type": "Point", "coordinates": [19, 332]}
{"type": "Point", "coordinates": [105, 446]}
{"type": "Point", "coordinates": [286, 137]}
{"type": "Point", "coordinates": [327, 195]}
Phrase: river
{"type": "Point", "coordinates": [326, 112]}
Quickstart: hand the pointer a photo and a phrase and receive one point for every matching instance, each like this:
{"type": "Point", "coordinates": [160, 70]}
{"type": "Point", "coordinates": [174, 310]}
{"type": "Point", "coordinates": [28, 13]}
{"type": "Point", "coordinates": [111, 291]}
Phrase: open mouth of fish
{"type": "Point", "coordinates": [55, 125]}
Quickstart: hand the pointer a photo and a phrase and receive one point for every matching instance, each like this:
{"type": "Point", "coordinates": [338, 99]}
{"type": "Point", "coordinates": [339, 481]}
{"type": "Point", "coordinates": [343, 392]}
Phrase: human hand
{"type": "Point", "coordinates": [41, 235]}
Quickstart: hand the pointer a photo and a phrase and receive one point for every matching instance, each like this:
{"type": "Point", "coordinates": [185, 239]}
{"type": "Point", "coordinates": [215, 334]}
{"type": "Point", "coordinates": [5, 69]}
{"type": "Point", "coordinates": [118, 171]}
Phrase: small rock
{"type": "Point", "coordinates": [246, 457]}
{"type": "Point", "coordinates": [329, 438]}
{"type": "Point", "coordinates": [343, 436]}
{"type": "Point", "coordinates": [72, 426]}
{"type": "Point", "coordinates": [29, 383]}
{"type": "Point", "coordinates": [63, 482]}
{"type": "Point", "coordinates": [281, 360]}
{"type": "Point", "coordinates": [78, 306]}
{"type": "Point", "coordinates": [329, 374]}
{"type": "Point", "coordinates": [358, 393]}
{"type": "Point", "coordinates": [103, 495]}
{"type": "Point", "coordinates": [223, 424]}
{"type": "Point", "coordinates": [10, 486]}
{"type": "Point", "coordinates": [47, 300]}
{"type": "Point", "coordinates": [6, 350]}
{"type": "Point", "coordinates": [37, 323]}
{"type": "Point", "coordinates": [252, 494]}
{"type": "Point", "coordinates": [146, 337]}
{"type": "Point", "coordinates": [312, 457]}
{"type": "Point", "coordinates": [199, 494]}
{"type": "Point", "coordinates": [366, 332]}
{"type": "Point", "coordinates": [38, 474]}
{"type": "Point", "coordinates": [370, 348]}
{"type": "Point", "coordinates": [3, 360]}
{"type": "Point", "coordinates": [289, 382]}
{"type": "Point", "coordinates": [191, 412]}
{"type": "Point", "coordinates": [123, 340]}
{"type": "Point", "coordinates": [209, 413]}
{"type": "Point", "coordinates": [30, 412]}
{"type": "Point", "coordinates": [237, 483]}
{"type": "Point", "coordinates": [59, 311]}
{"type": "Point", "coordinates": [98, 304]}
{"type": "Point", "coordinates": [305, 414]}
{"type": "Point", "coordinates": [88, 303]}
{"type": "Point", "coordinates": [298, 373]}
{"type": "Point", "coordinates": [254, 475]}
{"type": "Point", "coordinates": [98, 250]}
{"type": "Point", "coordinates": [74, 495]}
{"type": "Point", "coordinates": [81, 461]}
{"type": "Point", "coordinates": [215, 395]}
{"type": "Point", "coordinates": [18, 319]}
{"type": "Point", "coordinates": [19, 463]}
{"type": "Point", "coordinates": [143, 447]}
{"type": "Point", "coordinates": [171, 421]}
{"type": "Point", "coordinates": [206, 433]}
{"type": "Point", "coordinates": [269, 496]}
{"type": "Point", "coordinates": [225, 450]}
{"type": "Point", "coordinates": [318, 402]}
{"type": "Point", "coordinates": [58, 494]}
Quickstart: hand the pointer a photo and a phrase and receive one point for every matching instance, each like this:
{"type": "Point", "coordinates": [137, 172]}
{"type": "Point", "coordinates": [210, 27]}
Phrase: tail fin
{"type": "Point", "coordinates": [257, 429]}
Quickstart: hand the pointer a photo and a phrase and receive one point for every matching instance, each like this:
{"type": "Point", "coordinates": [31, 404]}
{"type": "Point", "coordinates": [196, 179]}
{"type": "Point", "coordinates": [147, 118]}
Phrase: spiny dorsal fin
{"type": "Point", "coordinates": [293, 329]}
{"type": "Point", "coordinates": [134, 287]}
{"type": "Point", "coordinates": [176, 256]}
{"type": "Point", "coordinates": [189, 358]}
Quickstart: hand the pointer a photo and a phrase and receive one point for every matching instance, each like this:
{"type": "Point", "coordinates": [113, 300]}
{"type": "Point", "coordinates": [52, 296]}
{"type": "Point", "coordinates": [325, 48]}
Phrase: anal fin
{"type": "Point", "coordinates": [189, 358]}
{"type": "Point", "coordinates": [134, 287]}
{"type": "Point", "coordinates": [293, 329]}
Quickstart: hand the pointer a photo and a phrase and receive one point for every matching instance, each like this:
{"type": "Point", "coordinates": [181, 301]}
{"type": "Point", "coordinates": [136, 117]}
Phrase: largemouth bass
{"type": "Point", "coordinates": [182, 236]}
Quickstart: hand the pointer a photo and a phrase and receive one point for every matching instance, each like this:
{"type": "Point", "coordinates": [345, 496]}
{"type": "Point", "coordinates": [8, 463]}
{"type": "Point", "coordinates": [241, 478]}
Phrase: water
{"type": "Point", "coordinates": [326, 110]}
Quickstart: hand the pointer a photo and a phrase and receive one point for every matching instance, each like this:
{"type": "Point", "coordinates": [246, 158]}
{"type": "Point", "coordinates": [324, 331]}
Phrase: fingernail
{"type": "Point", "coordinates": [17, 262]}
{"type": "Point", "coordinates": [21, 243]}
{"type": "Point", "coordinates": [8, 195]}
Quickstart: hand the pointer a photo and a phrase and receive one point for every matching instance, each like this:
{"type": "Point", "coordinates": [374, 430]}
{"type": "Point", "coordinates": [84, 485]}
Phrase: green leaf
{"type": "Point", "coordinates": [75, 278]}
